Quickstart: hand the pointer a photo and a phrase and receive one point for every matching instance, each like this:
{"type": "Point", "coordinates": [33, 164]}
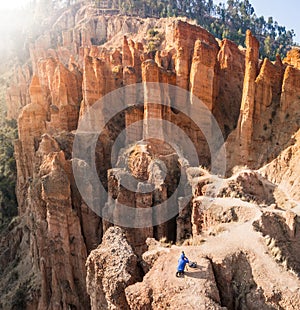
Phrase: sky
{"type": "Point", "coordinates": [286, 13]}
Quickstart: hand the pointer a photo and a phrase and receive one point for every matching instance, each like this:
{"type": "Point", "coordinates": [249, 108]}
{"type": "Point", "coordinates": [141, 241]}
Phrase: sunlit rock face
{"type": "Point", "coordinates": [81, 59]}
{"type": "Point", "coordinates": [267, 103]}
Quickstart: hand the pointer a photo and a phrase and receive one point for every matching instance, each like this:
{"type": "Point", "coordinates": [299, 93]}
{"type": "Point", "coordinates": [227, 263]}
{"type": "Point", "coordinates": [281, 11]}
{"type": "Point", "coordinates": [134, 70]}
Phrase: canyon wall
{"type": "Point", "coordinates": [269, 113]}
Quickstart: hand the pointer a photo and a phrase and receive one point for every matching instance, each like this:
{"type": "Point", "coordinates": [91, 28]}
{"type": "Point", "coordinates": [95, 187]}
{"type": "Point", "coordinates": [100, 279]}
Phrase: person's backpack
{"type": "Point", "coordinates": [193, 264]}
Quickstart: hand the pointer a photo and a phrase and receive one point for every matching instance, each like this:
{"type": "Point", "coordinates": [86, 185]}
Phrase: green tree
{"type": "Point", "coordinates": [8, 201]}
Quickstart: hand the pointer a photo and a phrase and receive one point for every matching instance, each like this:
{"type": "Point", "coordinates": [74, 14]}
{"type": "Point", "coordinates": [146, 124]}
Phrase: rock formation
{"type": "Point", "coordinates": [230, 274]}
{"type": "Point", "coordinates": [110, 269]}
{"type": "Point", "coordinates": [293, 58]}
{"type": "Point", "coordinates": [247, 105]}
{"type": "Point", "coordinates": [160, 288]}
{"type": "Point", "coordinates": [284, 172]}
{"type": "Point", "coordinates": [61, 246]}
{"type": "Point", "coordinates": [266, 97]}
{"type": "Point", "coordinates": [231, 75]}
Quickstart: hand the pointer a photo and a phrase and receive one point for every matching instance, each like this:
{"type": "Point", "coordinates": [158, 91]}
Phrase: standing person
{"type": "Point", "coordinates": [183, 260]}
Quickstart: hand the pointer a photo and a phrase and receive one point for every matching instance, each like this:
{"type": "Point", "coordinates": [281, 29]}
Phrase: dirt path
{"type": "Point", "coordinates": [243, 237]}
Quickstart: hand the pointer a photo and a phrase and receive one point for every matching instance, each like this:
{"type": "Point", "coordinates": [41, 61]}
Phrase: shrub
{"type": "Point", "coordinates": [19, 299]}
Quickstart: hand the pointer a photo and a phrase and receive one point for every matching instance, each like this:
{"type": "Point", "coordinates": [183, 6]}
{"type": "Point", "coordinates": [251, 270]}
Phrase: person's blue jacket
{"type": "Point", "coordinates": [182, 262]}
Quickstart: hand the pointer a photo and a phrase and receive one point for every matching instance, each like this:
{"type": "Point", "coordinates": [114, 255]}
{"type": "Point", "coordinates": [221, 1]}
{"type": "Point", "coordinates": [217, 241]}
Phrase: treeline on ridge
{"type": "Point", "coordinates": [230, 20]}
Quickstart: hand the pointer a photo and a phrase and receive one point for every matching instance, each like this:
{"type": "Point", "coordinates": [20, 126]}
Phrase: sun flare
{"type": "Point", "coordinates": [13, 4]}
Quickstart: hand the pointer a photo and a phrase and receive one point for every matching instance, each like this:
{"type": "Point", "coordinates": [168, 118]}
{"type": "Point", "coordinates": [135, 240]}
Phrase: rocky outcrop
{"type": "Point", "coordinates": [110, 269]}
{"type": "Point", "coordinates": [146, 162]}
{"type": "Point", "coordinates": [247, 105]}
{"type": "Point", "coordinates": [97, 79]}
{"type": "Point", "coordinates": [52, 269]}
{"type": "Point", "coordinates": [290, 90]}
{"type": "Point", "coordinates": [185, 37]}
{"type": "Point", "coordinates": [63, 230]}
{"type": "Point", "coordinates": [203, 76]}
{"type": "Point", "coordinates": [293, 58]}
{"type": "Point", "coordinates": [234, 269]}
{"type": "Point", "coordinates": [31, 125]}
{"type": "Point", "coordinates": [220, 201]}
{"type": "Point", "coordinates": [239, 279]}
{"type": "Point", "coordinates": [244, 130]}
{"type": "Point", "coordinates": [231, 73]}
{"type": "Point", "coordinates": [284, 172]}
{"type": "Point", "coordinates": [45, 189]}
{"type": "Point", "coordinates": [155, 249]}
{"type": "Point", "coordinates": [65, 96]}
{"type": "Point", "coordinates": [280, 231]}
{"type": "Point", "coordinates": [53, 107]}
{"type": "Point", "coordinates": [267, 102]}
{"type": "Point", "coordinates": [161, 289]}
